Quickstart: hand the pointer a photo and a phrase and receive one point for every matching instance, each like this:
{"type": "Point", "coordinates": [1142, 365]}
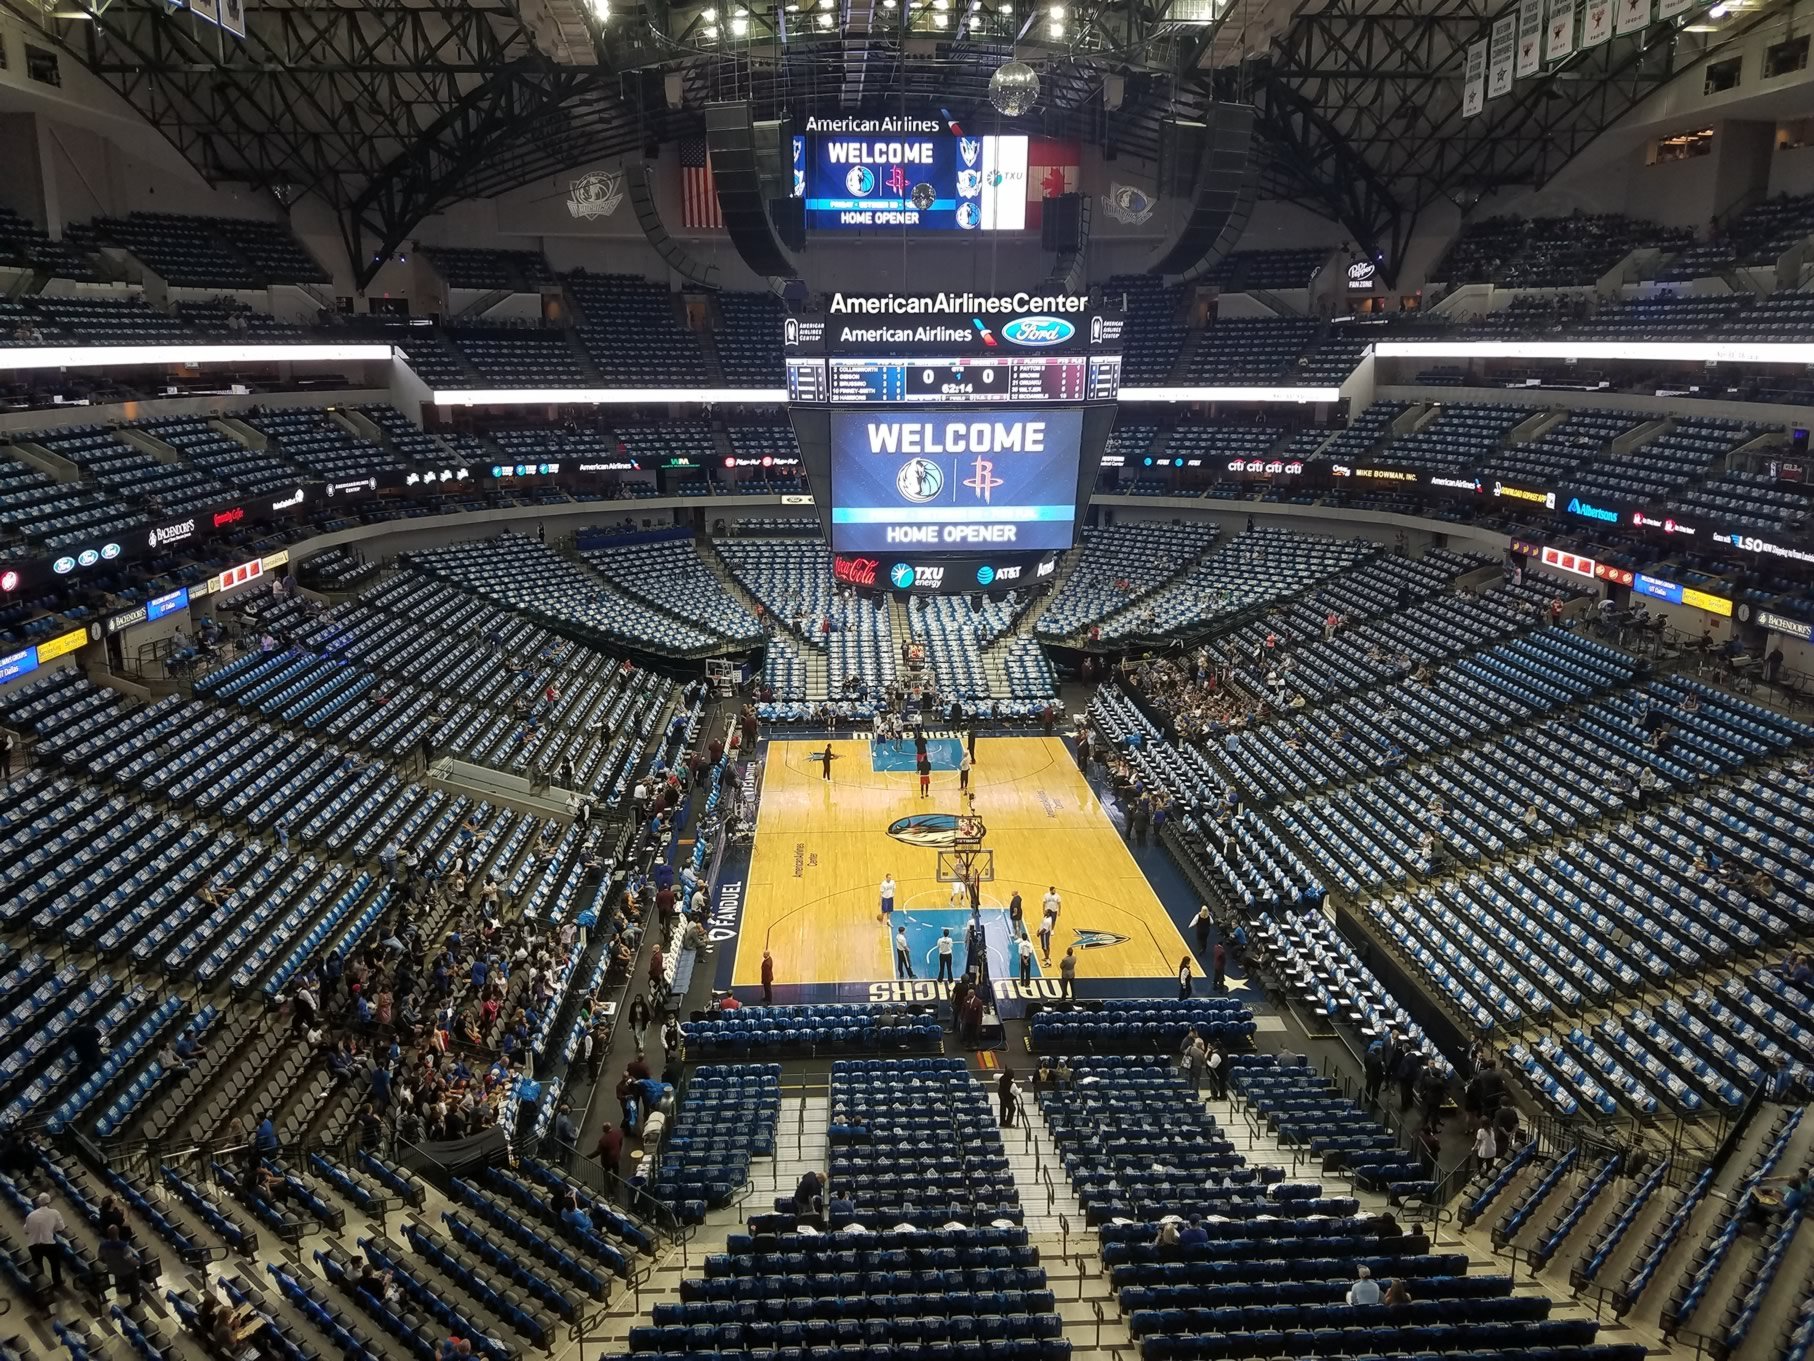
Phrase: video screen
{"type": "Point", "coordinates": [937, 181]}
{"type": "Point", "coordinates": [923, 480]}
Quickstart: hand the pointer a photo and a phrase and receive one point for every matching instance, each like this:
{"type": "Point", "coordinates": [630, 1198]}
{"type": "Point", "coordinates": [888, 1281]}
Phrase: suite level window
{"type": "Point", "coordinates": [1723, 75]}
{"type": "Point", "coordinates": [1684, 146]}
{"type": "Point", "coordinates": [1786, 57]}
{"type": "Point", "coordinates": [41, 66]}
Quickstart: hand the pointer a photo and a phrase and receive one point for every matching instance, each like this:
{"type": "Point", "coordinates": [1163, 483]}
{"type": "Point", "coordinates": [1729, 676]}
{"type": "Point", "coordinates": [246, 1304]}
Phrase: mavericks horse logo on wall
{"type": "Point", "coordinates": [596, 195]}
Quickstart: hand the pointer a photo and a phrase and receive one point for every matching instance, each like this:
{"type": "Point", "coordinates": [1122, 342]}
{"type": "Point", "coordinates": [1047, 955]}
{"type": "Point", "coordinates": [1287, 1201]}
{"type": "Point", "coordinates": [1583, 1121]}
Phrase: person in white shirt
{"type": "Point", "coordinates": [1051, 902]}
{"type": "Point", "coordinates": [945, 948]}
{"type": "Point", "coordinates": [1365, 1290]}
{"type": "Point", "coordinates": [1486, 1148]}
{"type": "Point", "coordinates": [1047, 924]}
{"type": "Point", "coordinates": [42, 1226]}
{"type": "Point", "coordinates": [960, 896]}
{"type": "Point", "coordinates": [903, 959]}
{"type": "Point", "coordinates": [1026, 960]}
{"type": "Point", "coordinates": [887, 897]}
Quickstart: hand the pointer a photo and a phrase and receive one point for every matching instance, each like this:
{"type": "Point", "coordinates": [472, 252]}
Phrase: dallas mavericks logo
{"type": "Point", "coordinates": [937, 830]}
{"type": "Point", "coordinates": [969, 148]}
{"type": "Point", "coordinates": [1096, 940]}
{"type": "Point", "coordinates": [919, 480]}
{"type": "Point", "coordinates": [1125, 203]}
{"type": "Point", "coordinates": [596, 195]}
{"type": "Point", "coordinates": [861, 181]}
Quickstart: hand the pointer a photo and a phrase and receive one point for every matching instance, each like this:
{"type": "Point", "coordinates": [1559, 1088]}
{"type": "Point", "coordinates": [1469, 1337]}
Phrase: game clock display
{"type": "Point", "coordinates": [919, 481]}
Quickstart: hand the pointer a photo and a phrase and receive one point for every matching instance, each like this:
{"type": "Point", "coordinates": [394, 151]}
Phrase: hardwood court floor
{"type": "Point", "coordinates": [822, 849]}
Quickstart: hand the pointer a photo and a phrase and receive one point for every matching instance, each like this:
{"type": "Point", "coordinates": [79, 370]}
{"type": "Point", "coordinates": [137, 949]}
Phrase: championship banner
{"type": "Point", "coordinates": [1668, 9]}
{"type": "Point", "coordinates": [1559, 42]}
{"type": "Point", "coordinates": [1596, 26]}
{"type": "Point", "coordinates": [1530, 38]}
{"type": "Point", "coordinates": [1499, 68]}
{"type": "Point", "coordinates": [1473, 87]}
{"type": "Point", "coordinates": [1633, 17]}
{"type": "Point", "coordinates": [233, 17]}
{"type": "Point", "coordinates": [206, 9]}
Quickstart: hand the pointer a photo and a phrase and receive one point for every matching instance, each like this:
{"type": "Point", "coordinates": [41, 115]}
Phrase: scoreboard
{"type": "Point", "coordinates": [960, 379]}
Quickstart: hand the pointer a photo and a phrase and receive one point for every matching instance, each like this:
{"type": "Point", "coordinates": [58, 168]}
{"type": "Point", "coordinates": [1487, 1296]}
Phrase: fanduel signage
{"type": "Point", "coordinates": [1576, 506]}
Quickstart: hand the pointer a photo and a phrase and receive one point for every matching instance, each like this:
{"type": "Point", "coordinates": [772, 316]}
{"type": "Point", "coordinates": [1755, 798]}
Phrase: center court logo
{"type": "Point", "coordinates": [937, 830]}
{"type": "Point", "coordinates": [1096, 940]}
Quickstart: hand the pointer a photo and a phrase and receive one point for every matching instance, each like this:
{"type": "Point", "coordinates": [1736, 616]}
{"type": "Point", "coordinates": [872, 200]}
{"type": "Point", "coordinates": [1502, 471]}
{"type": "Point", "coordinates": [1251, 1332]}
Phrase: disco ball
{"type": "Point", "coordinates": [924, 196]}
{"type": "Point", "coordinates": [1014, 88]}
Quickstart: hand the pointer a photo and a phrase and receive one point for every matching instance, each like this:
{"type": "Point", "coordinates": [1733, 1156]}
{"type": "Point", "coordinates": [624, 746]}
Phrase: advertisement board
{"type": "Point", "coordinates": [941, 575]}
{"type": "Point", "coordinates": [930, 480]}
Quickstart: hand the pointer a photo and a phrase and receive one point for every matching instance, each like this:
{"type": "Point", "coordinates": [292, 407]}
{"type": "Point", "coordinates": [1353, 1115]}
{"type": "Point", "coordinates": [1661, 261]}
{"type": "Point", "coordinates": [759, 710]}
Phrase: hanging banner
{"type": "Point", "coordinates": [1668, 9]}
{"type": "Point", "coordinates": [1559, 42]}
{"type": "Point", "coordinates": [1530, 38]}
{"type": "Point", "coordinates": [1473, 88]}
{"type": "Point", "coordinates": [206, 9]}
{"type": "Point", "coordinates": [1499, 66]}
{"type": "Point", "coordinates": [233, 17]}
{"type": "Point", "coordinates": [1596, 24]}
{"type": "Point", "coordinates": [1633, 17]}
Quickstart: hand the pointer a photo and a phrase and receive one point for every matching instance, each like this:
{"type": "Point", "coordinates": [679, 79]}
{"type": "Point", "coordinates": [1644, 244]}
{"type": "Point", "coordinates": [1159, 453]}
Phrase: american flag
{"type": "Point", "coordinates": [698, 195]}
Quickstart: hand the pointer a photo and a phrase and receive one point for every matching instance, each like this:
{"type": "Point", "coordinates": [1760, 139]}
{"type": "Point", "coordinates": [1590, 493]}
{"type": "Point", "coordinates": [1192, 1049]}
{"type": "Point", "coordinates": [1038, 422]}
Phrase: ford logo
{"type": "Point", "coordinates": [63, 566]}
{"type": "Point", "coordinates": [1038, 332]}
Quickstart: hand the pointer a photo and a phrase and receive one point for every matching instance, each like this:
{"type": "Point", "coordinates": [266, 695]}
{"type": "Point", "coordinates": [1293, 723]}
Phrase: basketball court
{"type": "Point", "coordinates": [822, 848]}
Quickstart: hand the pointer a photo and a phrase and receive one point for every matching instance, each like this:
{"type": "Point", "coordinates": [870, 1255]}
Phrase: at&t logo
{"type": "Point", "coordinates": [985, 574]}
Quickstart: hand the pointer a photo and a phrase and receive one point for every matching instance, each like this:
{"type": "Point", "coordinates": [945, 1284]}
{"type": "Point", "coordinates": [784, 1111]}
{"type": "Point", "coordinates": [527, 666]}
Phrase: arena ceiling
{"type": "Point", "coordinates": [394, 110]}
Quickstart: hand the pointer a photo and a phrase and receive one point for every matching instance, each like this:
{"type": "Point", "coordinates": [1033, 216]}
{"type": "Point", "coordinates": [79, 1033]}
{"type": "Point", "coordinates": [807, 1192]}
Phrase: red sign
{"type": "Point", "coordinates": [1617, 575]}
{"type": "Point", "coordinates": [9, 581]}
{"type": "Point", "coordinates": [229, 517]}
{"type": "Point", "coordinates": [1562, 560]}
{"type": "Point", "coordinates": [854, 571]}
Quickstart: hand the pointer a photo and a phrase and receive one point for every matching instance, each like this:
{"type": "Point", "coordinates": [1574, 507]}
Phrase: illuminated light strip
{"type": "Point", "coordinates": [1235, 394]}
{"type": "Point", "coordinates": [1690, 351]}
{"type": "Point", "coordinates": [948, 515]}
{"type": "Point", "coordinates": [103, 356]}
{"type": "Point", "coordinates": [604, 396]}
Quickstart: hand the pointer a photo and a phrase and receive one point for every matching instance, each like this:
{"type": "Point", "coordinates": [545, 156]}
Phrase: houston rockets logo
{"type": "Point", "coordinates": [896, 181]}
{"type": "Point", "coordinates": [983, 480]}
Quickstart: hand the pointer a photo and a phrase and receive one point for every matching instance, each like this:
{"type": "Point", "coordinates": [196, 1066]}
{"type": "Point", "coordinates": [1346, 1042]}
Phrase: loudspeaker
{"type": "Point", "coordinates": [731, 138]}
{"type": "Point", "coordinates": [1225, 183]}
{"type": "Point", "coordinates": [1068, 269]}
{"type": "Point", "coordinates": [774, 140]}
{"type": "Point", "coordinates": [1181, 143]}
{"type": "Point", "coordinates": [1061, 223]}
{"type": "Point", "coordinates": [789, 216]}
{"type": "Point", "coordinates": [648, 217]}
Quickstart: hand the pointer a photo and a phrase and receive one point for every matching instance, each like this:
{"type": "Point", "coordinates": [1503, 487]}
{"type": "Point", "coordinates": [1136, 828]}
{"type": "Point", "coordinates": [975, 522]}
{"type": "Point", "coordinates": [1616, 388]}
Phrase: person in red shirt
{"type": "Point", "coordinates": [610, 1150]}
{"type": "Point", "coordinates": [656, 963]}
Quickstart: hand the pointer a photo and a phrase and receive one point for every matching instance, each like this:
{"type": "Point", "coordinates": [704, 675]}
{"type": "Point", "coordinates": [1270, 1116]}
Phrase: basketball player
{"type": "Point", "coordinates": [925, 768]}
{"type": "Point", "coordinates": [887, 898]}
{"type": "Point", "coordinates": [825, 764]}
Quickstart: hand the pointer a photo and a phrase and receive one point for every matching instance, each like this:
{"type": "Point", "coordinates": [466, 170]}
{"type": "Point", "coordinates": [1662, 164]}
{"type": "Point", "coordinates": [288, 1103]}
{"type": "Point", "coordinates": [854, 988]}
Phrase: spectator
{"type": "Point", "coordinates": [42, 1226]}
{"type": "Point", "coordinates": [809, 1196]}
{"type": "Point", "coordinates": [1486, 1149]}
{"type": "Point", "coordinates": [1365, 1289]}
{"type": "Point", "coordinates": [1398, 1292]}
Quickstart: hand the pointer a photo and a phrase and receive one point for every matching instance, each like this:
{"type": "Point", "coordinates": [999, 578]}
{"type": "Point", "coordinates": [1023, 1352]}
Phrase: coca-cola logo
{"type": "Point", "coordinates": [229, 517]}
{"type": "Point", "coordinates": [855, 571]}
